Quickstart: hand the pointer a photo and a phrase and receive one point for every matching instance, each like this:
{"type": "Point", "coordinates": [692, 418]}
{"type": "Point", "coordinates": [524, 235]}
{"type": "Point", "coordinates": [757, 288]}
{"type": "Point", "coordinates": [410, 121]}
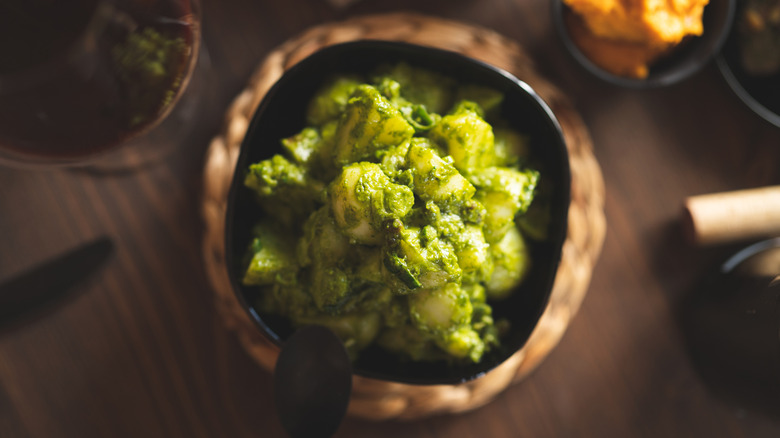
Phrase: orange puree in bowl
{"type": "Point", "coordinates": [625, 36]}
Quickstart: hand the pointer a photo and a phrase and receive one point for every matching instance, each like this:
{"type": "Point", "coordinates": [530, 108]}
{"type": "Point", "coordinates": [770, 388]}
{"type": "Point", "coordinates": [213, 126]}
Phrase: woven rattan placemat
{"type": "Point", "coordinates": [375, 399]}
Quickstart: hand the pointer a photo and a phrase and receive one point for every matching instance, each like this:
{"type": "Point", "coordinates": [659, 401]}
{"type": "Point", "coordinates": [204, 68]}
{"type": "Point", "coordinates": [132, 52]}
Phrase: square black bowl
{"type": "Point", "coordinates": [282, 114]}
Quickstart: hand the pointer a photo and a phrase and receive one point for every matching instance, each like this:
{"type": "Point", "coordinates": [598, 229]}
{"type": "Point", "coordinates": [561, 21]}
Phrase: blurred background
{"type": "Point", "coordinates": [141, 351]}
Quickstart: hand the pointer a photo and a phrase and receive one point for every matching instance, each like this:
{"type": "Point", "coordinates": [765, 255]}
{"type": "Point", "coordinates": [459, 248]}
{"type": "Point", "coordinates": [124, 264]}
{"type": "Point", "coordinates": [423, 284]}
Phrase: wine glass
{"type": "Point", "coordinates": [79, 78]}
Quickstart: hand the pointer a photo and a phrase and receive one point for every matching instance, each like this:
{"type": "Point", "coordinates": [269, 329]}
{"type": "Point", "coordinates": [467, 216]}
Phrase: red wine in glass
{"type": "Point", "coordinates": [81, 77]}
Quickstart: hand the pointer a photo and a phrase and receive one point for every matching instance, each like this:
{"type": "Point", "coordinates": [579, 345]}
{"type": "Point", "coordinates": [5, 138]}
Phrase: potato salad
{"type": "Point", "coordinates": [397, 216]}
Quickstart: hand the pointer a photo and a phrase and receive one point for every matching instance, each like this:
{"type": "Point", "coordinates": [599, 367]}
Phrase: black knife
{"type": "Point", "coordinates": [45, 285]}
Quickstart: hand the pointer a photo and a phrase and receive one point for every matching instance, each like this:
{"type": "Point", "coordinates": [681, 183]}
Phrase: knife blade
{"type": "Point", "coordinates": [48, 283]}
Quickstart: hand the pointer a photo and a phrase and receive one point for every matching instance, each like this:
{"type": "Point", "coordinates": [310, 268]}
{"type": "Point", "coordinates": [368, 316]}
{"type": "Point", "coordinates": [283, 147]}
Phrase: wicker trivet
{"type": "Point", "coordinates": [375, 399]}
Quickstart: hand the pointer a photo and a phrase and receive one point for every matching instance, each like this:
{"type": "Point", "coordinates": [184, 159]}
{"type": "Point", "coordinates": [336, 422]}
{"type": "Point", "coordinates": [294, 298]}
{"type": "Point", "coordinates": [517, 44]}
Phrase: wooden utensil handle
{"type": "Point", "coordinates": [733, 216]}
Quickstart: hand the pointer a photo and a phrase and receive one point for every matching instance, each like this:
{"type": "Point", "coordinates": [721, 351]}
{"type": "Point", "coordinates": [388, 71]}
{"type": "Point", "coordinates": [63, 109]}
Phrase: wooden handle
{"type": "Point", "coordinates": [733, 216]}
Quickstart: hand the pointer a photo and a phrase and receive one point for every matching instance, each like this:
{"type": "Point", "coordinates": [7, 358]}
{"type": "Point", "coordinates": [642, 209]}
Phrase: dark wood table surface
{"type": "Point", "coordinates": [141, 351]}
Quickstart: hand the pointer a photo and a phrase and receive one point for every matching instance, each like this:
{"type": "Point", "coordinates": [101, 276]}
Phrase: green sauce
{"type": "Point", "coordinates": [393, 217]}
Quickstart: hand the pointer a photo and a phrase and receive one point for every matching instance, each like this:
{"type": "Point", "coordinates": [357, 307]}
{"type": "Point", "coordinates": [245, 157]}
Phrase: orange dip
{"type": "Point", "coordinates": [625, 36]}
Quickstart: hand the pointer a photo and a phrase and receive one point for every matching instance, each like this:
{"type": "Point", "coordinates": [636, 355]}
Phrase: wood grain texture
{"type": "Point", "coordinates": [140, 351]}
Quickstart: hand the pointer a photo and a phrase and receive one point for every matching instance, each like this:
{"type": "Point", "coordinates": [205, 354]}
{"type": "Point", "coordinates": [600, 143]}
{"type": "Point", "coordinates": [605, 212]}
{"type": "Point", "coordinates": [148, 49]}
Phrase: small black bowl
{"type": "Point", "coordinates": [730, 322]}
{"type": "Point", "coordinates": [684, 61]}
{"type": "Point", "coordinates": [281, 114]}
{"type": "Point", "coordinates": [760, 93]}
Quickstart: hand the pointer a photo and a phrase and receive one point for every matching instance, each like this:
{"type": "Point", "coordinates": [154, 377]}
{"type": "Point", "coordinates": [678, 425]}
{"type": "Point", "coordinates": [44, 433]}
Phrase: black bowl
{"type": "Point", "coordinates": [760, 93]}
{"type": "Point", "coordinates": [684, 61]}
{"type": "Point", "coordinates": [281, 114]}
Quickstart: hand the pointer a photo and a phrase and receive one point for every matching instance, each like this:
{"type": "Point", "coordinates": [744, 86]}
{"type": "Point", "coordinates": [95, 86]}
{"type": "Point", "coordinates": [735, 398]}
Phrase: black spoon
{"type": "Point", "coordinates": [312, 383]}
{"type": "Point", "coordinates": [47, 285]}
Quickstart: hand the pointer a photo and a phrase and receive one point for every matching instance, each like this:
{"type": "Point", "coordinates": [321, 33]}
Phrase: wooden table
{"type": "Point", "coordinates": [140, 351]}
